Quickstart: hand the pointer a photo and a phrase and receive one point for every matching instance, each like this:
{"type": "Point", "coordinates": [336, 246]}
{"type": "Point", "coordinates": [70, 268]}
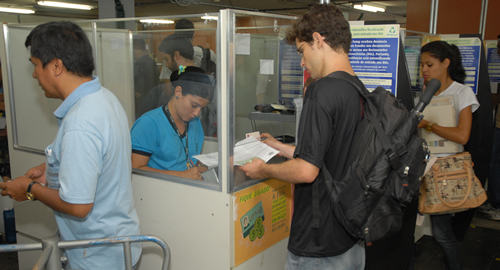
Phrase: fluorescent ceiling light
{"type": "Point", "coordinates": [16, 10]}
{"type": "Point", "coordinates": [370, 8]}
{"type": "Point", "coordinates": [211, 18]}
{"type": "Point", "coordinates": [156, 21]}
{"type": "Point", "coordinates": [64, 5]}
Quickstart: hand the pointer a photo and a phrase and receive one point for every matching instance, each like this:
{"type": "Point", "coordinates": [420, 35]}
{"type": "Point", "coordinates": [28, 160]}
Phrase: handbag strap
{"type": "Point", "coordinates": [469, 188]}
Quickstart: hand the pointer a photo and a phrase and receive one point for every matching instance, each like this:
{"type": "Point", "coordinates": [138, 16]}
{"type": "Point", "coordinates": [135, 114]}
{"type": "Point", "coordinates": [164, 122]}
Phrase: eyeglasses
{"type": "Point", "coordinates": [301, 53]}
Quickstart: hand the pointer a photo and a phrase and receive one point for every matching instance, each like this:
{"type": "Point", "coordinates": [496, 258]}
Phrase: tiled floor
{"type": "Point", "coordinates": [480, 249]}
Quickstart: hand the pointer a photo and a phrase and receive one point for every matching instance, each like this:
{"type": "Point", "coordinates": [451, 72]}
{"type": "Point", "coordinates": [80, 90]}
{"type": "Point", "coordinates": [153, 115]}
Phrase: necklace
{"type": "Point", "coordinates": [189, 164]}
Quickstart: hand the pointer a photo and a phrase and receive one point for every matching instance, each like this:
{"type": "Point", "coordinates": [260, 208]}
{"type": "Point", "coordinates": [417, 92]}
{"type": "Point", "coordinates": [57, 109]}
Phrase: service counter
{"type": "Point", "coordinates": [232, 223]}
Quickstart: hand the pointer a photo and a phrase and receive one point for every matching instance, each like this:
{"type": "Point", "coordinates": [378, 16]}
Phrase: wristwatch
{"type": "Point", "coordinates": [29, 195]}
{"type": "Point", "coordinates": [429, 127]}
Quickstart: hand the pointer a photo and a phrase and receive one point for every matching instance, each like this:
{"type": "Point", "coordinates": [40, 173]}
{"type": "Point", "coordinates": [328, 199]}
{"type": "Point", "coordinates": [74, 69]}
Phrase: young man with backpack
{"type": "Point", "coordinates": [331, 113]}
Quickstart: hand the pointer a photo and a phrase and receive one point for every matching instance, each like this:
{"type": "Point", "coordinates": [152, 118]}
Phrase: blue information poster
{"type": "Point", "coordinates": [470, 49]}
{"type": "Point", "coordinates": [290, 74]}
{"type": "Point", "coordinates": [493, 60]}
{"type": "Point", "coordinates": [374, 55]}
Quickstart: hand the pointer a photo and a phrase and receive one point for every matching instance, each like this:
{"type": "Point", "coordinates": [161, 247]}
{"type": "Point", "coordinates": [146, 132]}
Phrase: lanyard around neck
{"type": "Point", "coordinates": [186, 125]}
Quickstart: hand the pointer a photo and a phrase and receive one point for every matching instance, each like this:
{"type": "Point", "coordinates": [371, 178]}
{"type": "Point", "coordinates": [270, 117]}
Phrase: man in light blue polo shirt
{"type": "Point", "coordinates": [88, 166]}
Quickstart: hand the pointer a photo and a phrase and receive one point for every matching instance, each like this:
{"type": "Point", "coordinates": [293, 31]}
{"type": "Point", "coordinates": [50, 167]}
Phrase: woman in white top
{"type": "Point", "coordinates": [442, 61]}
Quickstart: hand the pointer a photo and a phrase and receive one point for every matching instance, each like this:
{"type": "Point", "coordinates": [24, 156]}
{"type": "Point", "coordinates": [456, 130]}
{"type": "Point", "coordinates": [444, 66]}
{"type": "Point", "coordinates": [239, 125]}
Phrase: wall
{"type": "Point", "coordinates": [454, 17]}
{"type": "Point", "coordinates": [458, 17]}
{"type": "Point", "coordinates": [418, 15]}
{"type": "Point", "coordinates": [492, 20]}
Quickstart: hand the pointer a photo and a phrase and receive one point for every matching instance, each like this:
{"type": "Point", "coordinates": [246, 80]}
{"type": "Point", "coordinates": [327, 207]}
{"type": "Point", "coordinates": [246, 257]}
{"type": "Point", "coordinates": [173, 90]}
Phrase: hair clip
{"type": "Point", "coordinates": [181, 69]}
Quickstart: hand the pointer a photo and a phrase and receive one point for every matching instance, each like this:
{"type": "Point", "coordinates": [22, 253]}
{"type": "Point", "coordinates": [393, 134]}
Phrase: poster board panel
{"type": "Point", "coordinates": [374, 55]}
{"type": "Point", "coordinates": [493, 60]}
{"type": "Point", "coordinates": [470, 50]}
{"type": "Point", "coordinates": [262, 216]}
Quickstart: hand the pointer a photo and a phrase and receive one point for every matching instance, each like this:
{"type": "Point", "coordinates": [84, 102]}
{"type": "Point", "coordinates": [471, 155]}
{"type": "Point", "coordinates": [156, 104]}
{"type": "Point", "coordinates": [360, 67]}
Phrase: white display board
{"type": "Point", "coordinates": [34, 124]}
{"type": "Point", "coordinates": [32, 112]}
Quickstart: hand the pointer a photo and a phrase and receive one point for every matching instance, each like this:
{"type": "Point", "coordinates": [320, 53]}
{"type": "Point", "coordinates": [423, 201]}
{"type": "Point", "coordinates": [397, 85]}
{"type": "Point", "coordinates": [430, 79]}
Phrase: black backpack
{"type": "Point", "coordinates": [384, 166]}
{"type": "Point", "coordinates": [209, 112]}
{"type": "Point", "coordinates": [209, 66]}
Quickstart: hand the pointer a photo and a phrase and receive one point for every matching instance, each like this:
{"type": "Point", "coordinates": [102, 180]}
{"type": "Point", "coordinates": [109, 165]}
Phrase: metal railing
{"type": "Point", "coordinates": [51, 257]}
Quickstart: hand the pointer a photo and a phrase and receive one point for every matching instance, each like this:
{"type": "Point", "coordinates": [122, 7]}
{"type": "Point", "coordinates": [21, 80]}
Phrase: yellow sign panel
{"type": "Point", "coordinates": [262, 217]}
{"type": "Point", "coordinates": [429, 39]}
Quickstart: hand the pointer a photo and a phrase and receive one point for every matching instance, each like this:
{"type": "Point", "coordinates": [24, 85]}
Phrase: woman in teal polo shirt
{"type": "Point", "coordinates": [166, 139]}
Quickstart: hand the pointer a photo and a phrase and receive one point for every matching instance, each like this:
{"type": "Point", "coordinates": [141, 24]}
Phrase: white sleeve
{"type": "Point", "coordinates": [468, 98]}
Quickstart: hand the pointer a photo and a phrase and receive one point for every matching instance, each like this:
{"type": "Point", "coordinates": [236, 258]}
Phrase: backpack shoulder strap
{"type": "Point", "coordinates": [328, 178]}
{"type": "Point", "coordinates": [348, 78]}
{"type": "Point", "coordinates": [206, 56]}
{"type": "Point", "coordinates": [389, 149]}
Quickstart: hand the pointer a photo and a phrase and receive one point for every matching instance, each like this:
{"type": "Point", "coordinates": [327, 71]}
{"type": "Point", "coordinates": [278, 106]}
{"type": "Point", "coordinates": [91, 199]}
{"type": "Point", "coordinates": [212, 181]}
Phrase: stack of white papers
{"type": "Point", "coordinates": [441, 110]}
{"type": "Point", "coordinates": [244, 152]}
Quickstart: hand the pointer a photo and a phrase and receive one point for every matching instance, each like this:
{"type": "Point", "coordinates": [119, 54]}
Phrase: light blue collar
{"type": "Point", "coordinates": [81, 91]}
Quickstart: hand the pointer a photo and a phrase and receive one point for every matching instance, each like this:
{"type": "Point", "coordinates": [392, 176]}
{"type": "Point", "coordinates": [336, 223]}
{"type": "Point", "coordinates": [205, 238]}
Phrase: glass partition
{"type": "Point", "coordinates": [267, 77]}
{"type": "Point", "coordinates": [153, 62]}
{"type": "Point", "coordinates": [171, 125]}
{"type": "Point", "coordinates": [135, 58]}
{"type": "Point", "coordinates": [242, 55]}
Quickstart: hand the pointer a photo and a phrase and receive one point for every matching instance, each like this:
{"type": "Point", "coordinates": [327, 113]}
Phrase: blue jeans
{"type": "Point", "coordinates": [353, 259]}
{"type": "Point", "coordinates": [444, 235]}
{"type": "Point", "coordinates": [494, 177]}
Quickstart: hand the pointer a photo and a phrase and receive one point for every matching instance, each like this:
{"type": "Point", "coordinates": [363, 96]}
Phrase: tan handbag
{"type": "Point", "coordinates": [451, 186]}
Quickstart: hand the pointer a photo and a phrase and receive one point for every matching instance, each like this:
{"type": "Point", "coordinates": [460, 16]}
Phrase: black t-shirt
{"type": "Point", "coordinates": [146, 75]}
{"type": "Point", "coordinates": [331, 113]}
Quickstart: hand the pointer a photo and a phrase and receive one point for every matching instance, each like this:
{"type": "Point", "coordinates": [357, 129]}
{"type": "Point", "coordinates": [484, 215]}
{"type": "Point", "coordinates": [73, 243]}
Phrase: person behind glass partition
{"type": "Point", "coordinates": [442, 61]}
{"type": "Point", "coordinates": [166, 139]}
{"type": "Point", "coordinates": [146, 75]}
{"type": "Point", "coordinates": [177, 51]}
{"type": "Point", "coordinates": [205, 59]}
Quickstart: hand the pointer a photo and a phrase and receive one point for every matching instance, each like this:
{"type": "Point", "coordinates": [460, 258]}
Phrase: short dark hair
{"type": "Point", "coordinates": [442, 50]}
{"type": "Point", "coordinates": [65, 41]}
{"type": "Point", "coordinates": [176, 42]}
{"type": "Point", "coordinates": [185, 24]}
{"type": "Point", "coordinates": [327, 20]}
{"type": "Point", "coordinates": [194, 81]}
{"type": "Point", "coordinates": [139, 43]}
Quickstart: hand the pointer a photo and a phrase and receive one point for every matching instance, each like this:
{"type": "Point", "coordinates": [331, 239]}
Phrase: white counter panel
{"type": "Point", "coordinates": [194, 222]}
